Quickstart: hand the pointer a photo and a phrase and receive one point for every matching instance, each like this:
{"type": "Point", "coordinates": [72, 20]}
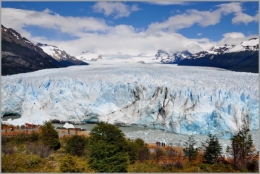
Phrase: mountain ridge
{"type": "Point", "coordinates": [19, 55]}
{"type": "Point", "coordinates": [60, 55]}
{"type": "Point", "coordinates": [242, 57]}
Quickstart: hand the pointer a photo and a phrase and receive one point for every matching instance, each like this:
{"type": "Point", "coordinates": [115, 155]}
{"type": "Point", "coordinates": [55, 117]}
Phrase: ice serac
{"type": "Point", "coordinates": [190, 100]}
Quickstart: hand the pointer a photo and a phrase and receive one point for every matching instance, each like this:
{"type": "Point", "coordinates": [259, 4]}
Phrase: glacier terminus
{"type": "Point", "coordinates": [184, 100]}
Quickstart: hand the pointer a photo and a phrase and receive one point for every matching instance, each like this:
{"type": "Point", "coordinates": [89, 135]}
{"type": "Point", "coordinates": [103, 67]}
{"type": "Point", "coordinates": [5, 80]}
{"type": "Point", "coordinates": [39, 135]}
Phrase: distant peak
{"type": "Point", "coordinates": [42, 45]}
{"type": "Point", "coordinates": [254, 38]}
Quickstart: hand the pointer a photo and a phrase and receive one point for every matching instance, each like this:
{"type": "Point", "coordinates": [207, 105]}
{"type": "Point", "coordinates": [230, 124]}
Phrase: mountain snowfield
{"type": "Point", "coordinates": [53, 51]}
{"type": "Point", "coordinates": [193, 100]}
{"type": "Point", "coordinates": [251, 44]}
{"type": "Point", "coordinates": [165, 57]}
{"type": "Point", "coordinates": [117, 58]}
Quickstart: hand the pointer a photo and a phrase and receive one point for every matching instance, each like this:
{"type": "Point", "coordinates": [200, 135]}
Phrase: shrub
{"type": "Point", "coordinates": [34, 136]}
{"type": "Point", "coordinates": [204, 167]}
{"type": "Point", "coordinates": [252, 166]}
{"type": "Point", "coordinates": [8, 149]}
{"type": "Point", "coordinates": [9, 163]}
{"type": "Point", "coordinates": [76, 145]}
{"type": "Point", "coordinates": [178, 164]}
{"type": "Point", "coordinates": [49, 136]}
{"type": "Point", "coordinates": [139, 142]}
{"type": "Point", "coordinates": [147, 167]}
{"type": "Point", "coordinates": [69, 164]}
{"type": "Point", "coordinates": [143, 153]}
{"type": "Point", "coordinates": [4, 140]}
{"type": "Point", "coordinates": [32, 161]}
{"type": "Point", "coordinates": [39, 149]}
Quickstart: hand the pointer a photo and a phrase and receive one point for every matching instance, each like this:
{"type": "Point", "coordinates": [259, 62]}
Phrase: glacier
{"type": "Point", "coordinates": [183, 100]}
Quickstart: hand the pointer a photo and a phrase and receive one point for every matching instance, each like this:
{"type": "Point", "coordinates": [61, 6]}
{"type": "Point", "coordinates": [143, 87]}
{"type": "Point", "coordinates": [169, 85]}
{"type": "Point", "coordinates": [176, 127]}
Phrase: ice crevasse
{"type": "Point", "coordinates": [193, 100]}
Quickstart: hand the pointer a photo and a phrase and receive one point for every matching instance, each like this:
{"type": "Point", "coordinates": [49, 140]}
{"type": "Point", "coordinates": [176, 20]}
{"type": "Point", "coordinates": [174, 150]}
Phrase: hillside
{"type": "Point", "coordinates": [19, 55]}
{"type": "Point", "coordinates": [243, 57]}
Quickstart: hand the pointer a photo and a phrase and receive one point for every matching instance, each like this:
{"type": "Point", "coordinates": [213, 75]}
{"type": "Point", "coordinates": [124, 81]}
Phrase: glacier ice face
{"type": "Point", "coordinates": [185, 100]}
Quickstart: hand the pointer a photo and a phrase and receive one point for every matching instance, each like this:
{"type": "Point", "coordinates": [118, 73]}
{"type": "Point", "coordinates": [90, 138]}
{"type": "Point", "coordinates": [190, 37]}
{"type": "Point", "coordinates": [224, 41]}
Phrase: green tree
{"type": "Point", "coordinates": [49, 136]}
{"type": "Point", "coordinates": [212, 149]}
{"type": "Point", "coordinates": [76, 145]}
{"type": "Point", "coordinates": [108, 149]}
{"type": "Point", "coordinates": [139, 142]}
{"type": "Point", "coordinates": [132, 151]}
{"type": "Point", "coordinates": [189, 150]}
{"type": "Point", "coordinates": [138, 150]}
{"type": "Point", "coordinates": [242, 148]}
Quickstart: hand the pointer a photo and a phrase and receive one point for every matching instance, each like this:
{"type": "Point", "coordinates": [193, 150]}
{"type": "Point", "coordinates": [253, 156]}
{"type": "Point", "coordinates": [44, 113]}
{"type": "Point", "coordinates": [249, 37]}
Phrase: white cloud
{"type": "Point", "coordinates": [234, 38]}
{"type": "Point", "coordinates": [117, 9]}
{"type": "Point", "coordinates": [199, 34]}
{"type": "Point", "coordinates": [237, 10]}
{"type": "Point", "coordinates": [76, 26]}
{"type": "Point", "coordinates": [96, 35]}
{"type": "Point", "coordinates": [203, 18]}
{"type": "Point", "coordinates": [167, 3]}
{"type": "Point", "coordinates": [185, 20]}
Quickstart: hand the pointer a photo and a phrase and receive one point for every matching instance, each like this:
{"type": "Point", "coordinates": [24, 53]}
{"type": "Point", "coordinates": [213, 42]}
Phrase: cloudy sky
{"type": "Point", "coordinates": [133, 27]}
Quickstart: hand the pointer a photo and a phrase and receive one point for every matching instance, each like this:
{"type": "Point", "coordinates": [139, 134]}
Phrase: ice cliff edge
{"type": "Point", "coordinates": [183, 100]}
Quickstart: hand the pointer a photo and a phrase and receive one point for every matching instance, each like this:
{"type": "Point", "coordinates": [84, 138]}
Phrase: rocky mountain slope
{"type": "Point", "coordinates": [172, 58]}
{"type": "Point", "coordinates": [89, 56]}
{"type": "Point", "coordinates": [242, 57]}
{"type": "Point", "coordinates": [60, 55]}
{"type": "Point", "coordinates": [19, 55]}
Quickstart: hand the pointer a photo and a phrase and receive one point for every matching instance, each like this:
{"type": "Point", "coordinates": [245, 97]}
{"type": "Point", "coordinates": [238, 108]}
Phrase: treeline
{"type": "Point", "coordinates": [107, 150]}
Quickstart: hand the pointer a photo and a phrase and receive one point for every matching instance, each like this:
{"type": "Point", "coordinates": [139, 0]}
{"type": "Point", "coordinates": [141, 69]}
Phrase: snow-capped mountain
{"type": "Point", "coordinates": [19, 55]}
{"type": "Point", "coordinates": [249, 45]}
{"type": "Point", "coordinates": [172, 58]}
{"type": "Point", "coordinates": [10, 35]}
{"type": "Point", "coordinates": [60, 55]}
{"type": "Point", "coordinates": [241, 57]}
{"type": "Point", "coordinates": [87, 56]}
{"type": "Point", "coordinates": [192, 100]}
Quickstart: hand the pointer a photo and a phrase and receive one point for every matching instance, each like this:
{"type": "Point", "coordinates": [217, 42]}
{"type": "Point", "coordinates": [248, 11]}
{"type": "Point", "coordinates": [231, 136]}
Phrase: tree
{"type": "Point", "coordinates": [212, 149]}
{"type": "Point", "coordinates": [242, 148]}
{"type": "Point", "coordinates": [138, 150]}
{"type": "Point", "coordinates": [139, 142]}
{"type": "Point", "coordinates": [76, 145]}
{"type": "Point", "coordinates": [49, 136]}
{"type": "Point", "coordinates": [189, 150]}
{"type": "Point", "coordinates": [108, 149]}
{"type": "Point", "coordinates": [132, 151]}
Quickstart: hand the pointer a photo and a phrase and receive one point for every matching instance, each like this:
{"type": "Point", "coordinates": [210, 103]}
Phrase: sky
{"type": "Point", "coordinates": [133, 27]}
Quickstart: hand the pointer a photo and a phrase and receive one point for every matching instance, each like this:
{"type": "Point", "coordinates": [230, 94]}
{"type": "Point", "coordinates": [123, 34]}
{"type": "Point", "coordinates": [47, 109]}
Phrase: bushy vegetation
{"type": "Point", "coordinates": [76, 145]}
{"type": "Point", "coordinates": [49, 136]}
{"type": "Point", "coordinates": [69, 164]}
{"type": "Point", "coordinates": [107, 150]}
